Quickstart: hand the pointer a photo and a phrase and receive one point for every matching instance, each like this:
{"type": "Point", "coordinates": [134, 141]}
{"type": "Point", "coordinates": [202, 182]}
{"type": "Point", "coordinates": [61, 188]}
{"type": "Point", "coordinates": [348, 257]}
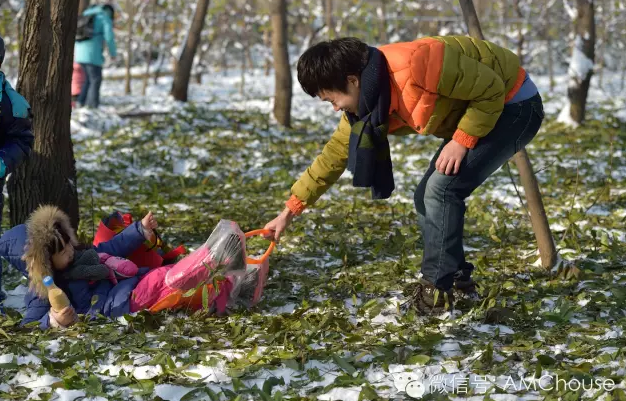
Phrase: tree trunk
{"type": "Point", "coordinates": [242, 82]}
{"type": "Point", "coordinates": [152, 25]}
{"type": "Point", "coordinates": [602, 45]}
{"type": "Point", "coordinates": [623, 79]}
{"type": "Point", "coordinates": [49, 175]}
{"type": "Point", "coordinates": [157, 72]}
{"type": "Point", "coordinates": [82, 6]}
{"type": "Point", "coordinates": [328, 13]}
{"type": "Point", "coordinates": [583, 55]}
{"type": "Point", "coordinates": [202, 65]}
{"type": "Point", "coordinates": [268, 60]}
{"type": "Point", "coordinates": [538, 218]}
{"type": "Point", "coordinates": [382, 17]}
{"type": "Point", "coordinates": [520, 34]}
{"type": "Point", "coordinates": [129, 43]}
{"type": "Point", "coordinates": [224, 59]}
{"type": "Point", "coordinates": [282, 69]}
{"type": "Point", "coordinates": [183, 67]}
{"type": "Point", "coordinates": [550, 50]}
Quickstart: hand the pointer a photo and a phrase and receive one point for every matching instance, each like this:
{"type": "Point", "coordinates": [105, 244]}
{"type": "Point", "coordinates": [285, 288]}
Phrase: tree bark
{"type": "Point", "coordinates": [382, 16]}
{"type": "Point", "coordinates": [183, 67]}
{"type": "Point", "coordinates": [49, 175]}
{"type": "Point", "coordinates": [152, 24]}
{"type": "Point", "coordinates": [266, 44]}
{"type": "Point", "coordinates": [82, 6]}
{"type": "Point", "coordinates": [580, 72]}
{"type": "Point", "coordinates": [129, 44]}
{"type": "Point", "coordinates": [157, 72]}
{"type": "Point", "coordinates": [538, 218]}
{"type": "Point", "coordinates": [242, 82]}
{"type": "Point", "coordinates": [282, 69]}
{"type": "Point", "coordinates": [328, 13]}
{"type": "Point", "coordinates": [550, 50]}
{"type": "Point", "coordinates": [520, 34]}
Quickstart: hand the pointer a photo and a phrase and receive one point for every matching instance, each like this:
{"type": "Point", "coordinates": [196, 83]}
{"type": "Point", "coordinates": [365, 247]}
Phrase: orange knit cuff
{"type": "Point", "coordinates": [295, 205]}
{"type": "Point", "coordinates": [465, 139]}
{"type": "Point", "coordinates": [521, 75]}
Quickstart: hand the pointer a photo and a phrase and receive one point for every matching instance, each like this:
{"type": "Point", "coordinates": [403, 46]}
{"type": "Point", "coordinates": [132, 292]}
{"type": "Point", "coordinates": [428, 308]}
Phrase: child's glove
{"type": "Point", "coordinates": [123, 268]}
{"type": "Point", "coordinates": [3, 168]}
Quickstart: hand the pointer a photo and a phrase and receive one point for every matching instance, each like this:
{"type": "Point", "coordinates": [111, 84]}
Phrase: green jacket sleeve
{"type": "Point", "coordinates": [326, 168]}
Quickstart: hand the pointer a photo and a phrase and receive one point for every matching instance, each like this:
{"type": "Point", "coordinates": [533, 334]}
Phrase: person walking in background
{"type": "Point", "coordinates": [95, 27]}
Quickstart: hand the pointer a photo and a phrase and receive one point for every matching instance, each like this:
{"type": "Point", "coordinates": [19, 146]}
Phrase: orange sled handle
{"type": "Point", "coordinates": [269, 250]}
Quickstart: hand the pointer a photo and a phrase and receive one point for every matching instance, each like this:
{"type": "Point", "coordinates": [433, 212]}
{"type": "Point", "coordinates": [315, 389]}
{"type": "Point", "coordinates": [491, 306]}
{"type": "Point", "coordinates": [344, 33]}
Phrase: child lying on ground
{"type": "Point", "coordinates": [96, 280]}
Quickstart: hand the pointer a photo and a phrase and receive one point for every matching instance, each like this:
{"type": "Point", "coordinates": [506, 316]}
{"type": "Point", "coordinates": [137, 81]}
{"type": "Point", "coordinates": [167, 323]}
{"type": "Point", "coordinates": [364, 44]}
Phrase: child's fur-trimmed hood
{"type": "Point", "coordinates": [40, 233]}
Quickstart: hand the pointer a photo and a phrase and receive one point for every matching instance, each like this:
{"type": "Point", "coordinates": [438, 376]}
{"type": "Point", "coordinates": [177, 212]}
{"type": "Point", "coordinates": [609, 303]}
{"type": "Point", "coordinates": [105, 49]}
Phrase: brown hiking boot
{"type": "Point", "coordinates": [424, 296]}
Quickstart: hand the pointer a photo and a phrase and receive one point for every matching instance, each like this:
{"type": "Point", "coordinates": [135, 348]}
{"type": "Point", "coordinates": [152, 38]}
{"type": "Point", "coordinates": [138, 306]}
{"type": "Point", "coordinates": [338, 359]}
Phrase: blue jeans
{"type": "Point", "coordinates": [90, 92]}
{"type": "Point", "coordinates": [440, 199]}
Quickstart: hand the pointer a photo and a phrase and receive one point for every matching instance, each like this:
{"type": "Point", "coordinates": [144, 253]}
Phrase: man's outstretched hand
{"type": "Point", "coordinates": [279, 224]}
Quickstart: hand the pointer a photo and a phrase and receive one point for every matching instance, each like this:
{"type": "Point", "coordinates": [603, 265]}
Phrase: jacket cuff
{"type": "Point", "coordinates": [465, 139]}
{"type": "Point", "coordinates": [295, 205]}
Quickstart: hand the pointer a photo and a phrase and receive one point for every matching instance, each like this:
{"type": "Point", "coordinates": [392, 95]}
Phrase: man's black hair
{"type": "Point", "coordinates": [327, 65]}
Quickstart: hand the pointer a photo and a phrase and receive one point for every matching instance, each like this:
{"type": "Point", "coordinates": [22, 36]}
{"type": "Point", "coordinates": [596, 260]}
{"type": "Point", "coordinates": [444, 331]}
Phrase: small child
{"type": "Point", "coordinates": [89, 276]}
{"type": "Point", "coordinates": [78, 80]}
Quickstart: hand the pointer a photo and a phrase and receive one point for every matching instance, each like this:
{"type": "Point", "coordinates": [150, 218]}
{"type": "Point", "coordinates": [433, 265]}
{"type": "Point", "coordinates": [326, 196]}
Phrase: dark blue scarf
{"type": "Point", "coordinates": [369, 158]}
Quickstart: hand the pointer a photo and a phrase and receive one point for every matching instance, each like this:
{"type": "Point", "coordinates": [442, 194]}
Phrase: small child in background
{"type": "Point", "coordinates": [78, 80]}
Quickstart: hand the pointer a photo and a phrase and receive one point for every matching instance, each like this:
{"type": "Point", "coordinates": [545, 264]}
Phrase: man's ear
{"type": "Point", "coordinates": [353, 79]}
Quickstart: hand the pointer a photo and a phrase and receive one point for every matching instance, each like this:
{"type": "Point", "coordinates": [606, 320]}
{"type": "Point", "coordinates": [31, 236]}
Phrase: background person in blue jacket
{"type": "Point", "coordinates": [47, 245]}
{"type": "Point", "coordinates": [89, 53]}
{"type": "Point", "coordinates": [16, 137]}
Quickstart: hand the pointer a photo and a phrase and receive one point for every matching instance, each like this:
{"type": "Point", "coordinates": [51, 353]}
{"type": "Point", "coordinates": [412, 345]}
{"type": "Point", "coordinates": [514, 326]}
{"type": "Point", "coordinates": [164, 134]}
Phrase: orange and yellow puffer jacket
{"type": "Point", "coordinates": [448, 86]}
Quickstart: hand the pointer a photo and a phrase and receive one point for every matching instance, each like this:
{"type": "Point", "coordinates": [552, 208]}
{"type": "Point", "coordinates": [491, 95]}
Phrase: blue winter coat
{"type": "Point", "coordinates": [91, 51]}
{"type": "Point", "coordinates": [108, 299]}
{"type": "Point", "coordinates": [16, 137]}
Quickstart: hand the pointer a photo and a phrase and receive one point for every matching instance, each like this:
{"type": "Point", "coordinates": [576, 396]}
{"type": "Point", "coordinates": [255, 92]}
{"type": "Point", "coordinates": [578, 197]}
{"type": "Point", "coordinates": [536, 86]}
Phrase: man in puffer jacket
{"type": "Point", "coordinates": [471, 93]}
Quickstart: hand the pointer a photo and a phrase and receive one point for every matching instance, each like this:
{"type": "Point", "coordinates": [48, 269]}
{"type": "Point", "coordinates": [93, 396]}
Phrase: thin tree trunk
{"type": "Point", "coordinates": [129, 44]}
{"type": "Point", "coordinates": [328, 13]}
{"type": "Point", "coordinates": [49, 175]}
{"type": "Point", "coordinates": [382, 17]}
{"type": "Point", "coordinates": [520, 34]}
{"type": "Point", "coordinates": [224, 59]}
{"type": "Point", "coordinates": [157, 72]}
{"type": "Point", "coordinates": [266, 43]}
{"type": "Point", "coordinates": [623, 79]}
{"type": "Point", "coordinates": [152, 25]}
{"type": "Point", "coordinates": [282, 69]}
{"type": "Point", "coordinates": [242, 82]}
{"type": "Point", "coordinates": [82, 6]}
{"type": "Point", "coordinates": [583, 56]}
{"type": "Point", "coordinates": [550, 50]}
{"type": "Point", "coordinates": [183, 67]}
{"type": "Point", "coordinates": [249, 60]}
{"type": "Point", "coordinates": [538, 218]}
{"type": "Point", "coordinates": [603, 39]}
{"type": "Point", "coordinates": [202, 65]}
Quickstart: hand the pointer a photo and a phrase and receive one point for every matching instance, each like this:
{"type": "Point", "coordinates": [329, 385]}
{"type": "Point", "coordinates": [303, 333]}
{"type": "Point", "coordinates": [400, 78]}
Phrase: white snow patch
{"type": "Point", "coordinates": [170, 392]}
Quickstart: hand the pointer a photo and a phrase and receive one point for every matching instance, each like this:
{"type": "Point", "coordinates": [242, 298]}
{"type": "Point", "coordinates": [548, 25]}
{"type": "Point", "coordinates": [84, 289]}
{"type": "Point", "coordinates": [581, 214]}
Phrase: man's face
{"type": "Point", "coordinates": [343, 101]}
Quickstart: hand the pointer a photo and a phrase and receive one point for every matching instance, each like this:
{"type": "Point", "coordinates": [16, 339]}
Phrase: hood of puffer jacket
{"type": "Point", "coordinates": [41, 231]}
